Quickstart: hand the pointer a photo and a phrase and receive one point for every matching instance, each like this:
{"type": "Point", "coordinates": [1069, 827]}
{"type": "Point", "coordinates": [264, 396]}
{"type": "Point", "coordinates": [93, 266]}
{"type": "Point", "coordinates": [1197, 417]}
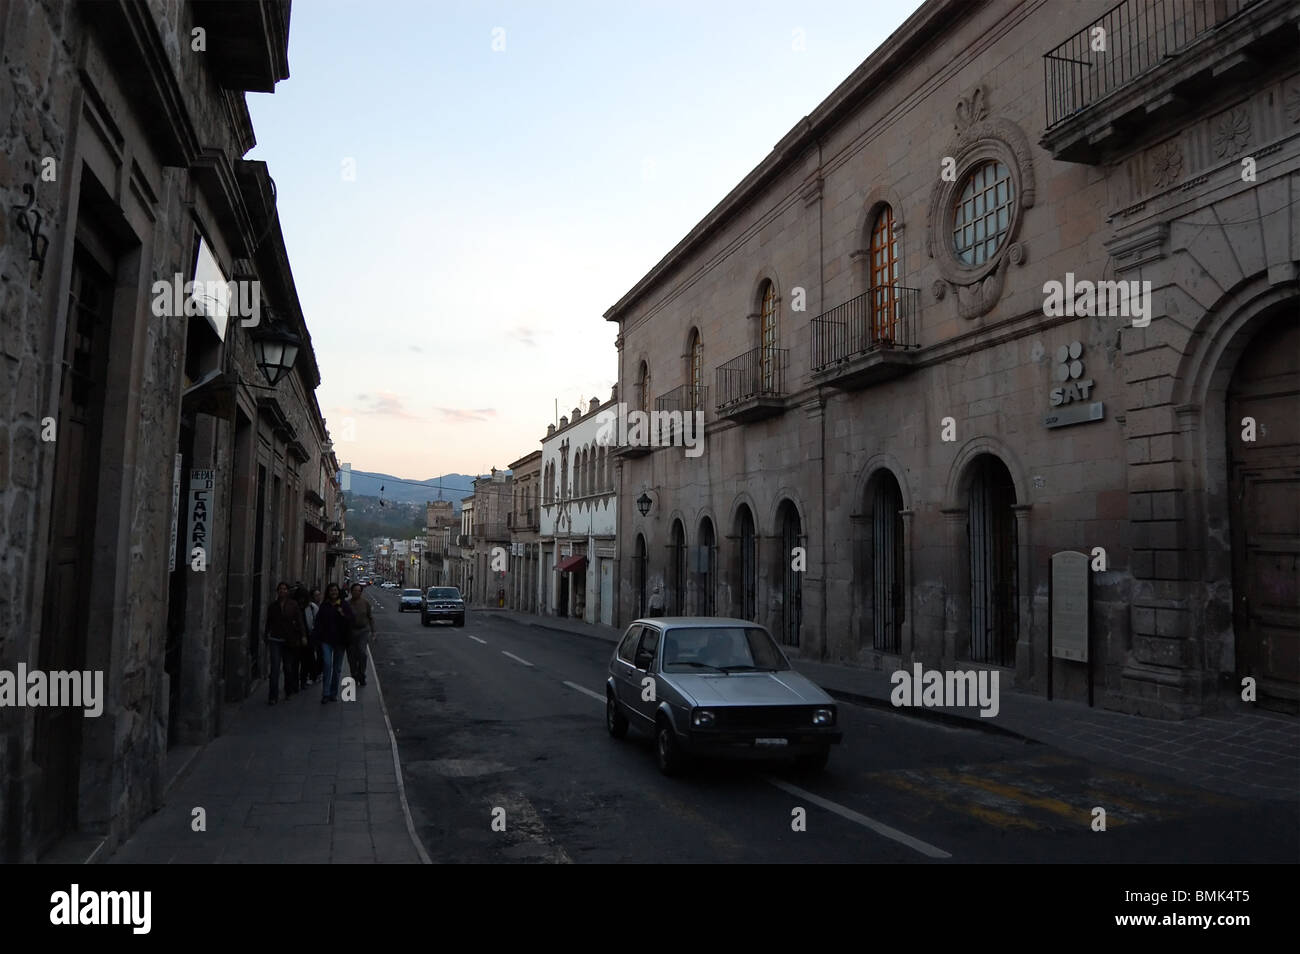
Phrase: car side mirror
{"type": "Point", "coordinates": [644, 659]}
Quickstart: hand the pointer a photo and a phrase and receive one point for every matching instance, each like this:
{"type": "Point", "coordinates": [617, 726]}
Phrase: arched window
{"type": "Point", "coordinates": [792, 579]}
{"type": "Point", "coordinates": [705, 603]}
{"type": "Point", "coordinates": [884, 278]}
{"type": "Point", "coordinates": [678, 595]}
{"type": "Point", "coordinates": [992, 531]}
{"type": "Point", "coordinates": [696, 382]}
{"type": "Point", "coordinates": [767, 340]}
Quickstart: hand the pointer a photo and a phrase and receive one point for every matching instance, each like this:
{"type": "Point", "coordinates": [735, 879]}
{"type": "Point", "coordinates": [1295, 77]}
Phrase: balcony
{"type": "Point", "coordinates": [1162, 60]}
{"type": "Point", "coordinates": [751, 387]}
{"type": "Point", "coordinates": [630, 451]}
{"type": "Point", "coordinates": [685, 400]}
{"type": "Point", "coordinates": [868, 339]}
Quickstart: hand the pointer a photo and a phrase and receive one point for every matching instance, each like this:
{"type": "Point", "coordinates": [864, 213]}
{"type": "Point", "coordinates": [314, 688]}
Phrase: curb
{"type": "Point", "coordinates": [397, 765]}
{"type": "Point", "coordinates": [934, 715]}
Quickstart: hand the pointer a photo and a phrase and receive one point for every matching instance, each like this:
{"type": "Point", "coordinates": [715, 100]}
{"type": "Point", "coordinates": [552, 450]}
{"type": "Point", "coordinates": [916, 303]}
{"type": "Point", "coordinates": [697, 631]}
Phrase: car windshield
{"type": "Point", "coordinates": [415, 593]}
{"type": "Point", "coordinates": [444, 593]}
{"type": "Point", "coordinates": [721, 649]}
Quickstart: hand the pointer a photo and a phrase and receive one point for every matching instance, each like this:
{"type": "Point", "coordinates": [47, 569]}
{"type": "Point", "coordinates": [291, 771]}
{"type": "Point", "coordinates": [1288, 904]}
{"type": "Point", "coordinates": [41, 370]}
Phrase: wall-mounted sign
{"type": "Point", "coordinates": [1070, 396]}
{"type": "Point", "coordinates": [176, 510]}
{"type": "Point", "coordinates": [202, 483]}
{"type": "Point", "coordinates": [1069, 613]}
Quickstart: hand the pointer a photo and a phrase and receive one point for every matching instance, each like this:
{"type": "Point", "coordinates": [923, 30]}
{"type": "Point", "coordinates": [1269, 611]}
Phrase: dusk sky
{"type": "Point", "coordinates": [505, 198]}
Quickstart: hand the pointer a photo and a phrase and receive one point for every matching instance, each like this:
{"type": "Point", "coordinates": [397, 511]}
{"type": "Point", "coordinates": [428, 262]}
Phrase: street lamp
{"type": "Point", "coordinates": [276, 347]}
{"type": "Point", "coordinates": [643, 503]}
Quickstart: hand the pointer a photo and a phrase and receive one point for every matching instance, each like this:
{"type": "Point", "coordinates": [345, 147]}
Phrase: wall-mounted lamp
{"type": "Point", "coordinates": [643, 503]}
{"type": "Point", "coordinates": [276, 348]}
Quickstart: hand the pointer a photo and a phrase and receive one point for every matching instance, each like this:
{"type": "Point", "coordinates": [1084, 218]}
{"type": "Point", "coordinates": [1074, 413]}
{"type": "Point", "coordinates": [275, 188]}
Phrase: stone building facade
{"type": "Point", "coordinates": [489, 542]}
{"type": "Point", "coordinates": [152, 486]}
{"type": "Point", "coordinates": [920, 380]}
{"type": "Point", "coordinates": [524, 522]}
{"type": "Point", "coordinates": [578, 522]}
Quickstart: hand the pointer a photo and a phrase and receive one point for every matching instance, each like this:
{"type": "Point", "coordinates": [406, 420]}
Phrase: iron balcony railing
{"type": "Point", "coordinates": [754, 374]}
{"type": "Point", "coordinates": [1123, 43]}
{"type": "Point", "coordinates": [881, 317]}
{"type": "Point", "coordinates": [686, 398]}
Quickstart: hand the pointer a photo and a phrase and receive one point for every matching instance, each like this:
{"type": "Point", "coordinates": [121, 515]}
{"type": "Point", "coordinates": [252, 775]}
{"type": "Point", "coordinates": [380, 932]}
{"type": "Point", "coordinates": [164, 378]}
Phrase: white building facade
{"type": "Point", "coordinates": [578, 524]}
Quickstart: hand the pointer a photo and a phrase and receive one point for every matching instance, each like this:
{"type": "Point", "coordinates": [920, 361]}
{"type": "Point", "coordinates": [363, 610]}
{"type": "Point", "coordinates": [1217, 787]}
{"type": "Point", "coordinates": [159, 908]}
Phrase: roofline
{"type": "Point", "coordinates": [931, 19]}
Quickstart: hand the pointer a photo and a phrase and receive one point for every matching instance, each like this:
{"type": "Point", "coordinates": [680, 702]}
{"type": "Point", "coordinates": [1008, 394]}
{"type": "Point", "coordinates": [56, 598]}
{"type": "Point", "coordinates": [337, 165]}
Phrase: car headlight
{"type": "Point", "coordinates": [702, 718]}
{"type": "Point", "coordinates": [824, 717]}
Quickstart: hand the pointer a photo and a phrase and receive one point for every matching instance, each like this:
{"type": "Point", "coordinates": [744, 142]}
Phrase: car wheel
{"type": "Point", "coordinates": [460, 620]}
{"type": "Point", "coordinates": [668, 751]}
{"type": "Point", "coordinates": [615, 721]}
{"type": "Point", "coordinates": [815, 762]}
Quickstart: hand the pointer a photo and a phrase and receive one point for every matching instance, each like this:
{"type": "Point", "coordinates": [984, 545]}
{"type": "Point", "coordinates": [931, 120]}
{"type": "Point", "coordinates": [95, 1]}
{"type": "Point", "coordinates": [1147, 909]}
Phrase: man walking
{"type": "Point", "coordinates": [284, 637]}
{"type": "Point", "coordinates": [363, 624]}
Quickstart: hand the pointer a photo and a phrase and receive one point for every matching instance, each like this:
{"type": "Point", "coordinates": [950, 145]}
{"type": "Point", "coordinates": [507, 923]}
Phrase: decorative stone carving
{"type": "Point", "coordinates": [979, 138]}
{"type": "Point", "coordinates": [1292, 103]}
{"type": "Point", "coordinates": [939, 289]}
{"type": "Point", "coordinates": [971, 109]}
{"type": "Point", "coordinates": [1166, 163]}
{"type": "Point", "coordinates": [1231, 132]}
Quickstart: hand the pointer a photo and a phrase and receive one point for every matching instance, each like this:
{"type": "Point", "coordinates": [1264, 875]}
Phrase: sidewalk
{"type": "Point", "coordinates": [296, 782]}
{"type": "Point", "coordinates": [1246, 754]}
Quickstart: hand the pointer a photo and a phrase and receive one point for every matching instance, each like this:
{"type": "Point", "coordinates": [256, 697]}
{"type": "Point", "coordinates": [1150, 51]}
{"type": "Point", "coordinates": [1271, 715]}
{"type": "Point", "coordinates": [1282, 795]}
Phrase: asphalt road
{"type": "Point", "coordinates": [501, 720]}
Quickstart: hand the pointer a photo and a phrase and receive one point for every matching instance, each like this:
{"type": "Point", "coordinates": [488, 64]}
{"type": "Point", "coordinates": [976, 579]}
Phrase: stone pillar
{"type": "Point", "coordinates": [956, 586]}
{"type": "Point", "coordinates": [1024, 597]}
{"type": "Point", "coordinates": [905, 643]}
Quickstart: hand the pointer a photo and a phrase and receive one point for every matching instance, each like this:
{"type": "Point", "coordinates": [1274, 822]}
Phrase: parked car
{"type": "Point", "coordinates": [443, 602]}
{"type": "Point", "coordinates": [388, 585]}
{"type": "Point", "coordinates": [711, 686]}
{"type": "Point", "coordinates": [411, 600]}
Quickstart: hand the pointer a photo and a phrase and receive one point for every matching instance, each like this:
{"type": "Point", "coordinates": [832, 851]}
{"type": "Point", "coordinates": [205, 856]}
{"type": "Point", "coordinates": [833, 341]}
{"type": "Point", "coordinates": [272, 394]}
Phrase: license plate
{"type": "Point", "coordinates": [771, 741]}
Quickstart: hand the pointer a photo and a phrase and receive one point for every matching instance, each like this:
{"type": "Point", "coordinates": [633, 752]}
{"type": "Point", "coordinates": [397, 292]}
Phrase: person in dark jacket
{"type": "Point", "coordinates": [285, 635]}
{"type": "Point", "coordinates": [333, 630]}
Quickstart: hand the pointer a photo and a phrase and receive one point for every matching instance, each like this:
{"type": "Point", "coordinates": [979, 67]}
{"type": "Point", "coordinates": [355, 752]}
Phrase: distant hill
{"type": "Point", "coordinates": [451, 487]}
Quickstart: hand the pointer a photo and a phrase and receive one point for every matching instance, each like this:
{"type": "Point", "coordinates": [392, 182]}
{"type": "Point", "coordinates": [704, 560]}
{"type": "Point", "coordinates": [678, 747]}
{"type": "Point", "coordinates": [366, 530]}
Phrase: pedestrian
{"type": "Point", "coordinates": [312, 669]}
{"type": "Point", "coordinates": [363, 625]}
{"type": "Point", "coordinates": [333, 630]}
{"type": "Point", "coordinates": [656, 601]}
{"type": "Point", "coordinates": [284, 637]}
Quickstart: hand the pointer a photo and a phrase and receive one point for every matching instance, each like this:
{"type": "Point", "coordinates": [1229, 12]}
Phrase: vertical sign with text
{"type": "Point", "coordinates": [200, 510]}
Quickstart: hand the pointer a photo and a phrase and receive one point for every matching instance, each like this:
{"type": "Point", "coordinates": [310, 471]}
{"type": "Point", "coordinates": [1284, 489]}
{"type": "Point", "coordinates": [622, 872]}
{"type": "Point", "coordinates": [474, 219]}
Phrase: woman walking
{"type": "Point", "coordinates": [313, 607]}
{"type": "Point", "coordinates": [333, 630]}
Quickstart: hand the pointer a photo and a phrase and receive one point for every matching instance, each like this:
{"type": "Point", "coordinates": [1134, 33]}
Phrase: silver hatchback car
{"type": "Point", "coordinates": [711, 686]}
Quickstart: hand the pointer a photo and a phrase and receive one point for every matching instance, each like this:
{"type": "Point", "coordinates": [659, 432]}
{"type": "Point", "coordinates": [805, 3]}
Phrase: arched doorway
{"type": "Point", "coordinates": [641, 571]}
{"type": "Point", "coordinates": [745, 600]}
{"type": "Point", "coordinates": [991, 528]}
{"type": "Point", "coordinates": [1263, 434]}
{"type": "Point", "coordinates": [884, 506]}
{"type": "Point", "coordinates": [677, 606]}
{"type": "Point", "coordinates": [791, 573]}
{"type": "Point", "coordinates": [705, 603]}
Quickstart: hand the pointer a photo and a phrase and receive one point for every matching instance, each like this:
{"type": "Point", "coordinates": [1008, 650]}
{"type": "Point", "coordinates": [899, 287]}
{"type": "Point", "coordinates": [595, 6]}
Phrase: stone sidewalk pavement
{"type": "Point", "coordinates": [298, 782]}
{"type": "Point", "coordinates": [1249, 753]}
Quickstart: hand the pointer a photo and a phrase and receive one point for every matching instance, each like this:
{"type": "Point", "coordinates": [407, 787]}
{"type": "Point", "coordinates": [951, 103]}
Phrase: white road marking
{"type": "Point", "coordinates": [477, 640]}
{"type": "Point", "coordinates": [516, 658]}
{"type": "Point", "coordinates": [879, 828]}
{"type": "Point", "coordinates": [585, 691]}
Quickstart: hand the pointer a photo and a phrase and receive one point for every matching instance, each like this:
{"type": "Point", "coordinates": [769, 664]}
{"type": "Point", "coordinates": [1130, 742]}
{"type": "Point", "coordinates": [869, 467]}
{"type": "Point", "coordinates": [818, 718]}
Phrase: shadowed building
{"type": "Point", "coordinates": [1025, 282]}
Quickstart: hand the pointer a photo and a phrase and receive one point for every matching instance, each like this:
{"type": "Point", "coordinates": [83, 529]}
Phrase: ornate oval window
{"type": "Point", "coordinates": [983, 213]}
{"type": "Point", "coordinates": [973, 231]}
